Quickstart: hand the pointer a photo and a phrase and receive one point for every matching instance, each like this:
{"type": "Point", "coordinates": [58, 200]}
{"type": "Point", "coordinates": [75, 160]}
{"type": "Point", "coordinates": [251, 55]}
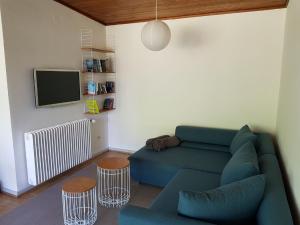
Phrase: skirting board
{"type": "Point", "coordinates": [121, 150]}
{"type": "Point", "coordinates": [15, 193]}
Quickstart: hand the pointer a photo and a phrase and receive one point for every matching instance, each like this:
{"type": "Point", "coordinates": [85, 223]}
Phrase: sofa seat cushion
{"type": "Point", "coordinates": [188, 158]}
{"type": "Point", "coordinates": [185, 179]}
{"type": "Point", "coordinates": [213, 147]}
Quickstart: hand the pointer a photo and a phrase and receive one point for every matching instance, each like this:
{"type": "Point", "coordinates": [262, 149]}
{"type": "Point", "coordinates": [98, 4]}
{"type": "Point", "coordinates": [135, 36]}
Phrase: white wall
{"type": "Point", "coordinates": [218, 71]}
{"type": "Point", "coordinates": [288, 124]}
{"type": "Point", "coordinates": [7, 158]}
{"type": "Point", "coordinates": [42, 34]}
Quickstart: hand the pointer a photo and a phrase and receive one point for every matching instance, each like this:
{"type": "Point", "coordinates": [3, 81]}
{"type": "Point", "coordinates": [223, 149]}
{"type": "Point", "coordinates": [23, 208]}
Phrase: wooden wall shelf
{"type": "Point", "coordinates": [98, 50]}
{"type": "Point", "coordinates": [88, 52]}
{"type": "Point", "coordinates": [100, 94]}
{"type": "Point", "coordinates": [99, 72]}
{"type": "Point", "coordinates": [101, 111]}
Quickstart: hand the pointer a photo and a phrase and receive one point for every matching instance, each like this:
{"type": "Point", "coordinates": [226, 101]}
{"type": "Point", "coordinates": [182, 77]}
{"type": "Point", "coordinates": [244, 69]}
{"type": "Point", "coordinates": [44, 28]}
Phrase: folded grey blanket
{"type": "Point", "coordinates": [150, 141]}
{"type": "Point", "coordinates": [162, 142]}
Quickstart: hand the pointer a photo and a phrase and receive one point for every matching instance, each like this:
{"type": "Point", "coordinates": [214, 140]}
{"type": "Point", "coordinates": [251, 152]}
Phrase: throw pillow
{"type": "Point", "coordinates": [243, 136]}
{"type": "Point", "coordinates": [235, 203]}
{"type": "Point", "coordinates": [243, 164]}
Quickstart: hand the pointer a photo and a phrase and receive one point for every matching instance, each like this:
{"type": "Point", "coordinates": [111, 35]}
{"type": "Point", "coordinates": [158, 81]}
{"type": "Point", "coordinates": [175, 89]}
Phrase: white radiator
{"type": "Point", "coordinates": [53, 150]}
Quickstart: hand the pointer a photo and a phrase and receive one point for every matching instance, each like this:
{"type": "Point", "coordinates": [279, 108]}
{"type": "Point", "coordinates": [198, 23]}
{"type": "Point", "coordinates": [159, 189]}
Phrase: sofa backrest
{"type": "Point", "coordinates": [264, 144]}
{"type": "Point", "coordinates": [274, 208]}
{"type": "Point", "coordinates": [205, 135]}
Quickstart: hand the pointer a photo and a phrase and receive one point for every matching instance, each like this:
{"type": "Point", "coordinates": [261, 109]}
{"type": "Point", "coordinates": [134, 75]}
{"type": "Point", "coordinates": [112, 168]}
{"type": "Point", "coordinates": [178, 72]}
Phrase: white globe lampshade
{"type": "Point", "coordinates": [156, 35]}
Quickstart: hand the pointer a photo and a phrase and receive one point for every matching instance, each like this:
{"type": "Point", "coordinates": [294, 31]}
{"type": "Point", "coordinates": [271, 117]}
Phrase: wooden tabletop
{"type": "Point", "coordinates": [79, 185]}
{"type": "Point", "coordinates": [113, 163]}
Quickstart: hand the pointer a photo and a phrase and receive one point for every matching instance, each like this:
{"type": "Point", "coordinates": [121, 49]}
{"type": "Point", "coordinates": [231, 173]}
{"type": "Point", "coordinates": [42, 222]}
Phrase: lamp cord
{"type": "Point", "coordinates": [156, 10]}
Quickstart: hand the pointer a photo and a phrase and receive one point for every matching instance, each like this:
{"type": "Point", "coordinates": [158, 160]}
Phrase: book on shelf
{"type": "Point", "coordinates": [103, 65]}
{"type": "Point", "coordinates": [110, 86]}
{"type": "Point", "coordinates": [97, 65]}
{"type": "Point", "coordinates": [109, 65]}
{"type": "Point", "coordinates": [108, 103]}
{"type": "Point", "coordinates": [88, 65]}
{"type": "Point", "coordinates": [92, 88]}
{"type": "Point", "coordinates": [103, 88]}
{"type": "Point", "coordinates": [97, 88]}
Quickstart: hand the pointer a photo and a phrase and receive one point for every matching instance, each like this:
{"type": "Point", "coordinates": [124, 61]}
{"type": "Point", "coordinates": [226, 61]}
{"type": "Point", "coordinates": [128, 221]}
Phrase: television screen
{"type": "Point", "coordinates": [53, 87]}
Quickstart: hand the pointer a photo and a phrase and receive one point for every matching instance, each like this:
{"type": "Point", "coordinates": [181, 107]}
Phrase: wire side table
{"type": "Point", "coordinates": [79, 200]}
{"type": "Point", "coordinates": [113, 182]}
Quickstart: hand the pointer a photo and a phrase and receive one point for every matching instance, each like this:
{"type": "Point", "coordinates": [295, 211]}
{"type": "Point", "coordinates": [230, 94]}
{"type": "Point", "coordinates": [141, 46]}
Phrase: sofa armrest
{"type": "Point", "coordinates": [141, 216]}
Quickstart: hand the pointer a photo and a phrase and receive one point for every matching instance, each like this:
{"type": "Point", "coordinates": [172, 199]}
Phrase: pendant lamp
{"type": "Point", "coordinates": [156, 34]}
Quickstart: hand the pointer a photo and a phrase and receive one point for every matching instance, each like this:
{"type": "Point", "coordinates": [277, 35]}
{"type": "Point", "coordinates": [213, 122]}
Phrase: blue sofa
{"type": "Point", "coordinates": [196, 165]}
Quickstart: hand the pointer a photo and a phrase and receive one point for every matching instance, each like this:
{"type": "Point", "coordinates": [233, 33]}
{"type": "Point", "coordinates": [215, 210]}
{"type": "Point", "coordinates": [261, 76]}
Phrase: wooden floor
{"type": "Point", "coordinates": [8, 203]}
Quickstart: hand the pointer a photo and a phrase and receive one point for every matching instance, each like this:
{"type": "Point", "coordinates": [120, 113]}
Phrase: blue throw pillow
{"type": "Point", "coordinates": [235, 203]}
{"type": "Point", "coordinates": [243, 164]}
{"type": "Point", "coordinates": [243, 136]}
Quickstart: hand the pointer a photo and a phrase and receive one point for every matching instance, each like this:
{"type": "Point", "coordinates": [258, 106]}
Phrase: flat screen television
{"type": "Point", "coordinates": [56, 87]}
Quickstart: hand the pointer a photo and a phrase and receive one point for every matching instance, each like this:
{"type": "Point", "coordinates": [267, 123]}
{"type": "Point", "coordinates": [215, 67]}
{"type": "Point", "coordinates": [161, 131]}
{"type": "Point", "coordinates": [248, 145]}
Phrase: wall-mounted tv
{"type": "Point", "coordinates": [56, 87]}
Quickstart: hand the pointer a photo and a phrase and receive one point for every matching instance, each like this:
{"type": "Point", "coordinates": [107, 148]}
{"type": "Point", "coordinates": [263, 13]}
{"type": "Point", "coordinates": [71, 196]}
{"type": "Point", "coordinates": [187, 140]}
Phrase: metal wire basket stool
{"type": "Point", "coordinates": [79, 199]}
{"type": "Point", "coordinates": [113, 182]}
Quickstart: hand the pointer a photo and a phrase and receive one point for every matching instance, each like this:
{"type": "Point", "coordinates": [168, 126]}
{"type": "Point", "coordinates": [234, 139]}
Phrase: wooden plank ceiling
{"type": "Point", "coordinates": [110, 12]}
